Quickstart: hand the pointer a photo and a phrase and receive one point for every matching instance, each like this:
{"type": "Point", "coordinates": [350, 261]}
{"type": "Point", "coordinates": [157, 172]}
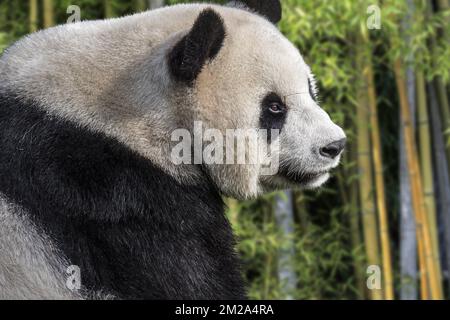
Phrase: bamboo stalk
{"type": "Point", "coordinates": [140, 5]}
{"type": "Point", "coordinates": [379, 184]}
{"type": "Point", "coordinates": [416, 183]}
{"type": "Point", "coordinates": [444, 107]}
{"type": "Point", "coordinates": [283, 209]}
{"type": "Point", "coordinates": [424, 283]}
{"type": "Point", "coordinates": [409, 244]}
{"type": "Point", "coordinates": [368, 113]}
{"type": "Point", "coordinates": [424, 278]}
{"type": "Point", "coordinates": [365, 65]}
{"type": "Point", "coordinates": [439, 83]}
{"type": "Point", "coordinates": [369, 219]}
{"type": "Point", "coordinates": [408, 231]}
{"type": "Point", "coordinates": [367, 204]}
{"type": "Point", "coordinates": [33, 16]}
{"type": "Point", "coordinates": [427, 168]}
{"type": "Point", "coordinates": [108, 9]}
{"type": "Point", "coordinates": [443, 178]}
{"type": "Point", "coordinates": [49, 18]}
{"type": "Point", "coordinates": [354, 222]}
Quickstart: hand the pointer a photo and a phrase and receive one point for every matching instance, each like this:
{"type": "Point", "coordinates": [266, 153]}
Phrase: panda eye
{"type": "Point", "coordinates": [273, 113]}
{"type": "Point", "coordinates": [276, 108]}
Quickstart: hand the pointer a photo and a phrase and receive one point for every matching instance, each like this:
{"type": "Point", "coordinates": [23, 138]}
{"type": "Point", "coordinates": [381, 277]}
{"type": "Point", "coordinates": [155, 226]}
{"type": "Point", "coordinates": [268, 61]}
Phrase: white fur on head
{"type": "Point", "coordinates": [112, 76]}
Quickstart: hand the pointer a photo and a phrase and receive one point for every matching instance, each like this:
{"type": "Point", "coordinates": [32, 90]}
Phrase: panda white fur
{"type": "Point", "coordinates": [86, 179]}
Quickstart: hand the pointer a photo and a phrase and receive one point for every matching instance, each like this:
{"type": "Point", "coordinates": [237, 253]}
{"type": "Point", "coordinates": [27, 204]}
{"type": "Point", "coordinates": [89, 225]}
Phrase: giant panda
{"type": "Point", "coordinates": [86, 174]}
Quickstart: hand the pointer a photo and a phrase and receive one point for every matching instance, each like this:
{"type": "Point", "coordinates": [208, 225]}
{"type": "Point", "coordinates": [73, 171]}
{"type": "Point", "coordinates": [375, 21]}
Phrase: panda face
{"type": "Point", "coordinates": [310, 143]}
{"type": "Point", "coordinates": [258, 79]}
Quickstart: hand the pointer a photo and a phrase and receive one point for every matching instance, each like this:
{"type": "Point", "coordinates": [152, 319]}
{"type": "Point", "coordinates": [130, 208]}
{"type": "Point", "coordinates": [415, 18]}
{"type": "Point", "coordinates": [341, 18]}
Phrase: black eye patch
{"type": "Point", "coordinates": [273, 113]}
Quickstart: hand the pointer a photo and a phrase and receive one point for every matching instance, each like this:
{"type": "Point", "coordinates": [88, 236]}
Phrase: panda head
{"type": "Point", "coordinates": [235, 70]}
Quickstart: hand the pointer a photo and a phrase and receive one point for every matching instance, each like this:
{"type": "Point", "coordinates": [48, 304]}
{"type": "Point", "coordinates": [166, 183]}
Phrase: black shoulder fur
{"type": "Point", "coordinates": [132, 229]}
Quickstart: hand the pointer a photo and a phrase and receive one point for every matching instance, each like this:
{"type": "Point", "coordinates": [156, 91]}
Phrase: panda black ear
{"type": "Point", "coordinates": [271, 9]}
{"type": "Point", "coordinates": [202, 43]}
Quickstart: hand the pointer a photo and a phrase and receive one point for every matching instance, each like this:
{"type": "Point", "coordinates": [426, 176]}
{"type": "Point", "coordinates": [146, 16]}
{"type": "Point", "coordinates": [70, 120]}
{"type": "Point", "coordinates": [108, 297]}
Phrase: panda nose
{"type": "Point", "coordinates": [333, 149]}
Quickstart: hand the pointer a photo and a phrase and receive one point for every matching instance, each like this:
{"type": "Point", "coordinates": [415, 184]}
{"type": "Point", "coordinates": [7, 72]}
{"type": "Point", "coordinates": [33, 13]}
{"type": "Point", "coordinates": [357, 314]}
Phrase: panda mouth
{"type": "Point", "coordinates": [301, 177]}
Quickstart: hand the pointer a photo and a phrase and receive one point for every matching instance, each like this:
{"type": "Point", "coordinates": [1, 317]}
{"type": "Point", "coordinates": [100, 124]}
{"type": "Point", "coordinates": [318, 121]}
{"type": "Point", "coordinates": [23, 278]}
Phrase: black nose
{"type": "Point", "coordinates": [333, 149]}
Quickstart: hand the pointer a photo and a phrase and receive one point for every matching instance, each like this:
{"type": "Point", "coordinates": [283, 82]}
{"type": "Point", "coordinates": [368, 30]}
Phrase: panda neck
{"type": "Point", "coordinates": [111, 211]}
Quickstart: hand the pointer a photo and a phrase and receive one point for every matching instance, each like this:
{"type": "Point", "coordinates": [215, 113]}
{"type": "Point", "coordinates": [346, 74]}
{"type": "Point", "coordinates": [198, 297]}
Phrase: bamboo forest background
{"type": "Point", "coordinates": [387, 209]}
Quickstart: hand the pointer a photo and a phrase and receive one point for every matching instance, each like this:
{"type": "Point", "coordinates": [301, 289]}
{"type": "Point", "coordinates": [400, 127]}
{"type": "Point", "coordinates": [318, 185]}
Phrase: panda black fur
{"type": "Point", "coordinates": [87, 182]}
{"type": "Point", "coordinates": [133, 230]}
